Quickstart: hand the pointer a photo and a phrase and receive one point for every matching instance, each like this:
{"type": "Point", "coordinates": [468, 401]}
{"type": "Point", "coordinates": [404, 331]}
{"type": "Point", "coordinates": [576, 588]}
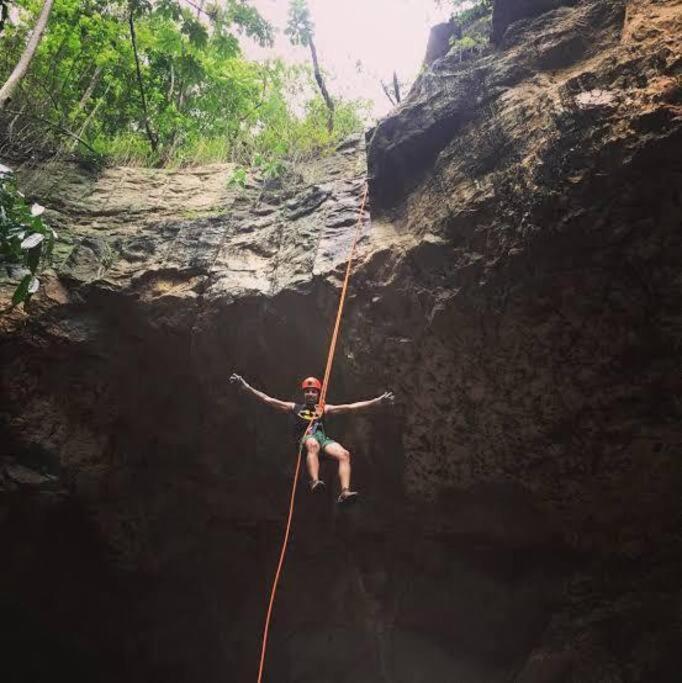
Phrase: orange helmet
{"type": "Point", "coordinates": [311, 383]}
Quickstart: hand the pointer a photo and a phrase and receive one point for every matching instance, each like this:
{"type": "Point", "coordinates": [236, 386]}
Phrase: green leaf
{"type": "Point", "coordinates": [21, 293]}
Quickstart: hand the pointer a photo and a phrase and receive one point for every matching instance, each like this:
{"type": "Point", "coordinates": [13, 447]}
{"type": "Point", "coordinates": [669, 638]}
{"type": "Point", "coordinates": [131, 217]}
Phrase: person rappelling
{"type": "Point", "coordinates": [309, 424]}
{"type": "Point", "coordinates": [309, 428]}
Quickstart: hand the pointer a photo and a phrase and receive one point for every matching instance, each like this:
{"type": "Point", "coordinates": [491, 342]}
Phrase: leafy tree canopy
{"type": "Point", "coordinates": [300, 27]}
{"type": "Point", "coordinates": [111, 77]}
{"type": "Point", "coordinates": [203, 100]}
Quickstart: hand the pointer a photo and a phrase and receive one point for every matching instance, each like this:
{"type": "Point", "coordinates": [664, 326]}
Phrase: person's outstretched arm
{"type": "Point", "coordinates": [283, 406]}
{"type": "Point", "coordinates": [386, 397]}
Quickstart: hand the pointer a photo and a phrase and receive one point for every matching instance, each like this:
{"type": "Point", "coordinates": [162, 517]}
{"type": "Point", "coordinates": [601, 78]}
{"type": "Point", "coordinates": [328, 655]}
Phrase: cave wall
{"type": "Point", "coordinates": [518, 288]}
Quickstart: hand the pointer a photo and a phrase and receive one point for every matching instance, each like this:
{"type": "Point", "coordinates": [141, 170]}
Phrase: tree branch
{"type": "Point", "coordinates": [387, 92]}
{"type": "Point", "coordinates": [4, 13]}
{"type": "Point", "coordinates": [21, 68]}
{"type": "Point", "coordinates": [396, 87]}
{"type": "Point", "coordinates": [150, 134]}
{"type": "Point", "coordinates": [321, 84]}
{"type": "Point", "coordinates": [94, 81]}
{"type": "Point", "coordinates": [56, 126]}
{"type": "Point", "coordinates": [200, 8]}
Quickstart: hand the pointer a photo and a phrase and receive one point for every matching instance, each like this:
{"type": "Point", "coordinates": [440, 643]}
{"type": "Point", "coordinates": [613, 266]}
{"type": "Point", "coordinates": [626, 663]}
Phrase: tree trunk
{"type": "Point", "coordinates": [4, 13]}
{"type": "Point", "coordinates": [21, 68]}
{"type": "Point", "coordinates": [388, 93]}
{"type": "Point", "coordinates": [145, 113]}
{"type": "Point", "coordinates": [171, 87]}
{"type": "Point", "coordinates": [323, 88]}
{"type": "Point", "coordinates": [396, 87]}
{"type": "Point", "coordinates": [90, 117]}
{"type": "Point", "coordinates": [56, 126]}
{"type": "Point", "coordinates": [94, 81]}
{"type": "Point", "coordinates": [16, 117]}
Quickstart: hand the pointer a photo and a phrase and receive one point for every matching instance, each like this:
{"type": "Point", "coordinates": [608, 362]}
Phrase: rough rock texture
{"type": "Point", "coordinates": [519, 288]}
{"type": "Point", "coordinates": [438, 44]}
{"type": "Point", "coordinates": [506, 12]}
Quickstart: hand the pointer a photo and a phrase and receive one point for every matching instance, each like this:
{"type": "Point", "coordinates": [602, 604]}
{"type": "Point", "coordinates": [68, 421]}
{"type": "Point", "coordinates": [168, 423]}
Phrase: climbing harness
{"type": "Point", "coordinates": [323, 396]}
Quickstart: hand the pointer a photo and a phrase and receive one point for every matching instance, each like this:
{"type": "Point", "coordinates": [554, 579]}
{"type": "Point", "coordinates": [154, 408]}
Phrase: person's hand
{"type": "Point", "coordinates": [387, 397]}
{"type": "Point", "coordinates": [239, 380]}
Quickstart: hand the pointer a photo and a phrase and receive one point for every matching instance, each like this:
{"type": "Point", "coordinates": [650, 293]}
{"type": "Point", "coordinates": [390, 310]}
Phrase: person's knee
{"type": "Point", "coordinates": [312, 447]}
{"type": "Point", "coordinates": [344, 455]}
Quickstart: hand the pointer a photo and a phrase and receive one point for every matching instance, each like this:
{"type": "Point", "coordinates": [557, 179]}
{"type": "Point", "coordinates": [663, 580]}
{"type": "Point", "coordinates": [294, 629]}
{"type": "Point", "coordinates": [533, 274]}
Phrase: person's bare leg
{"type": "Point", "coordinates": [342, 456]}
{"type": "Point", "coordinates": [312, 459]}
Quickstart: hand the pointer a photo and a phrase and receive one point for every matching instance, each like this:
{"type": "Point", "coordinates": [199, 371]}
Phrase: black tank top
{"type": "Point", "coordinates": [301, 419]}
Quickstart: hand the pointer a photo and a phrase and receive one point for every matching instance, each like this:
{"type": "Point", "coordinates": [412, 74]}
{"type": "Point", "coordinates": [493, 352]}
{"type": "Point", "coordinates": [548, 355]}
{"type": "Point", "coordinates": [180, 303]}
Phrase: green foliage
{"type": "Point", "coordinates": [464, 12]}
{"type": "Point", "coordinates": [466, 43]}
{"type": "Point", "coordinates": [25, 240]}
{"type": "Point", "coordinates": [471, 21]}
{"type": "Point", "coordinates": [306, 135]}
{"type": "Point", "coordinates": [300, 27]}
{"type": "Point", "coordinates": [238, 178]}
{"type": "Point", "coordinates": [270, 168]}
{"type": "Point", "coordinates": [205, 101]}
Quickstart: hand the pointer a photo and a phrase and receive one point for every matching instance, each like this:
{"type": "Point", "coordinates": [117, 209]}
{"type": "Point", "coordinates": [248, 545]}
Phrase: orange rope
{"type": "Point", "coordinates": [342, 301]}
{"type": "Point", "coordinates": [323, 395]}
{"type": "Point", "coordinates": [282, 553]}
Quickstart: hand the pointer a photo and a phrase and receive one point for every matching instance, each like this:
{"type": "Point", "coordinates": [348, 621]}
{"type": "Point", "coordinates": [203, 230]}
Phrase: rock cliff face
{"type": "Point", "coordinates": [519, 289]}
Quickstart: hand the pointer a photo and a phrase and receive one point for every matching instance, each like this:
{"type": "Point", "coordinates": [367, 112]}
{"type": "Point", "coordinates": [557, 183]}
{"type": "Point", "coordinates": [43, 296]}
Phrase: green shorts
{"type": "Point", "coordinates": [321, 438]}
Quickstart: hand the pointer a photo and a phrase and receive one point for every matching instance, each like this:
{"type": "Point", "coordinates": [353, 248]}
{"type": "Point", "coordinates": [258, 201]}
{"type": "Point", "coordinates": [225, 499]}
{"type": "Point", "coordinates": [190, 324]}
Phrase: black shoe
{"type": "Point", "coordinates": [347, 497]}
{"type": "Point", "coordinates": [317, 486]}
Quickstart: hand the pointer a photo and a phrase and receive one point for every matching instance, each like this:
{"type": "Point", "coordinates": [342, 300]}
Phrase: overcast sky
{"type": "Point", "coordinates": [380, 35]}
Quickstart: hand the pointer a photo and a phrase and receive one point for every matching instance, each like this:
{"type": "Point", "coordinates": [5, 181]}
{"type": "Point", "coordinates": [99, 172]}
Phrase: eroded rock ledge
{"type": "Point", "coordinates": [518, 288]}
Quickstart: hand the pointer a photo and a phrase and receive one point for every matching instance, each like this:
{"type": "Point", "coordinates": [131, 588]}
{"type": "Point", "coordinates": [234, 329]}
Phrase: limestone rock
{"type": "Point", "coordinates": [438, 44]}
{"type": "Point", "coordinates": [506, 12]}
{"type": "Point", "coordinates": [518, 288]}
